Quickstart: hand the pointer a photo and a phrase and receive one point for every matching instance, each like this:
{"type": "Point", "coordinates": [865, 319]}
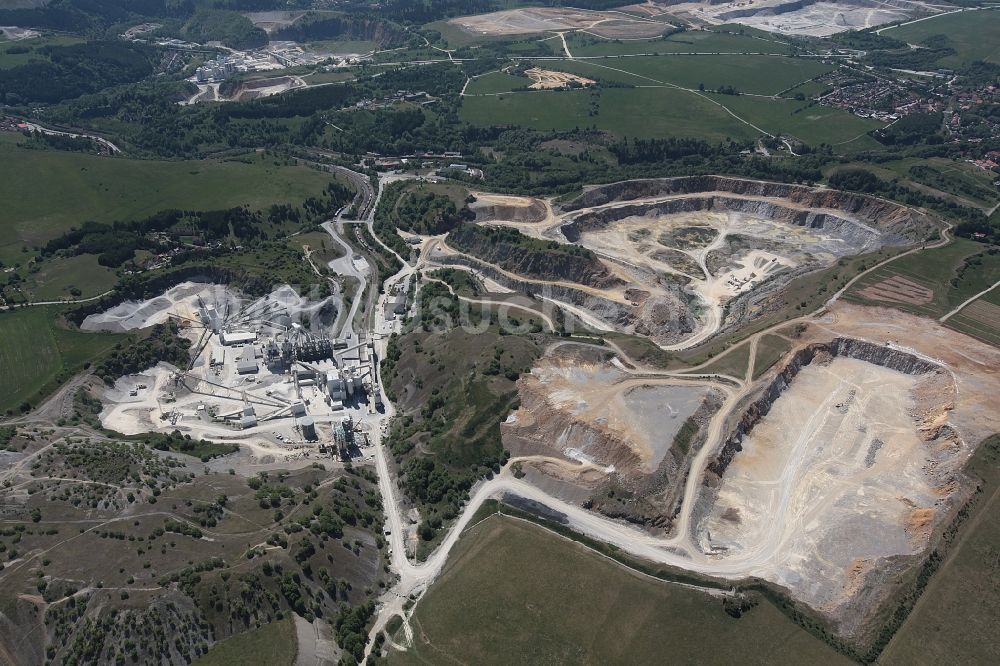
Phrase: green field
{"type": "Point", "coordinates": [951, 179]}
{"type": "Point", "coordinates": [955, 620]}
{"type": "Point", "coordinates": [769, 350]}
{"type": "Point", "coordinates": [812, 125]}
{"type": "Point", "coordinates": [514, 593]}
{"type": "Point", "coordinates": [662, 112]}
{"type": "Point", "coordinates": [935, 269]}
{"type": "Point", "coordinates": [733, 364]}
{"type": "Point", "coordinates": [272, 645]}
{"type": "Point", "coordinates": [9, 60]}
{"type": "Point", "coordinates": [38, 354]}
{"type": "Point", "coordinates": [636, 112]}
{"type": "Point", "coordinates": [56, 277]}
{"type": "Point", "coordinates": [496, 82]}
{"type": "Point", "coordinates": [455, 37]}
{"type": "Point", "coordinates": [326, 77]}
{"type": "Point", "coordinates": [690, 41]}
{"type": "Point", "coordinates": [47, 192]}
{"type": "Point", "coordinates": [762, 75]}
{"type": "Point", "coordinates": [975, 35]}
{"type": "Point", "coordinates": [975, 325]}
{"type": "Point", "coordinates": [809, 88]}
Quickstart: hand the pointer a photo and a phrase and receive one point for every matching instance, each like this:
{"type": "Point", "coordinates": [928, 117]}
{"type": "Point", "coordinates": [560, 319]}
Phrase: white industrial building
{"type": "Point", "coordinates": [230, 338]}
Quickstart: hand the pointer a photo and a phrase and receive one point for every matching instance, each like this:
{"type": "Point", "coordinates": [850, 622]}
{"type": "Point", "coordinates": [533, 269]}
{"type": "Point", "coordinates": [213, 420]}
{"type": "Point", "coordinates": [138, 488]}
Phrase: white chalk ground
{"type": "Point", "coordinates": [541, 19]}
{"type": "Point", "coordinates": [833, 478]}
{"type": "Point", "coordinates": [179, 301]}
{"type": "Point", "coordinates": [790, 17]}
{"type": "Point", "coordinates": [643, 414]}
{"type": "Point", "coordinates": [637, 250]}
{"type": "Point", "coordinates": [183, 302]}
{"type": "Point", "coordinates": [14, 33]}
{"type": "Point", "coordinates": [639, 241]}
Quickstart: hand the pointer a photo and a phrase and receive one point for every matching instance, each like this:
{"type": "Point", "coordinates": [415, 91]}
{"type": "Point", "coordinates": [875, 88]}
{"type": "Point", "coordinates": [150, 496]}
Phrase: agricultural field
{"type": "Point", "coordinates": [495, 82]}
{"type": "Point", "coordinates": [575, 606]}
{"type": "Point", "coordinates": [38, 353]}
{"type": "Point", "coordinates": [640, 112]}
{"type": "Point", "coordinates": [763, 75]}
{"type": "Point", "coordinates": [47, 192]}
{"type": "Point", "coordinates": [810, 123]}
{"type": "Point", "coordinates": [930, 282]}
{"type": "Point", "coordinates": [654, 107]}
{"type": "Point", "coordinates": [980, 319]}
{"type": "Point", "coordinates": [975, 35]}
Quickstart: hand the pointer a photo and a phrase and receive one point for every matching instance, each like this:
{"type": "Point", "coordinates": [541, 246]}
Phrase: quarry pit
{"type": "Point", "coordinates": [843, 463]}
{"type": "Point", "coordinates": [830, 476]}
{"type": "Point", "coordinates": [683, 260]}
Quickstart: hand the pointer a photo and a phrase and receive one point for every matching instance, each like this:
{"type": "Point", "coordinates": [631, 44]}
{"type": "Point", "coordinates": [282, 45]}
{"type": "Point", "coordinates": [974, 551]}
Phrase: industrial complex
{"type": "Point", "coordinates": [257, 377]}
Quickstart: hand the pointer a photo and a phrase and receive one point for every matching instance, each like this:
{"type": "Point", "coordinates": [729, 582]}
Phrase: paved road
{"type": "Point", "coordinates": [35, 127]}
{"type": "Point", "coordinates": [345, 266]}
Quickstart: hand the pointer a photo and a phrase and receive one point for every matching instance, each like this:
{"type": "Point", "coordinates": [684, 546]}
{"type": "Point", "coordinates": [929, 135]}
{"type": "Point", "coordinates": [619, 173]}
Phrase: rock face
{"type": "Point", "coordinates": [666, 317]}
{"type": "Point", "coordinates": [532, 258]}
{"type": "Point", "coordinates": [881, 355]}
{"type": "Point", "coordinates": [623, 444]}
{"type": "Point", "coordinates": [898, 223]}
{"type": "Point", "coordinates": [861, 236]}
{"type": "Point", "coordinates": [486, 211]}
{"type": "Point", "coordinates": [347, 28]}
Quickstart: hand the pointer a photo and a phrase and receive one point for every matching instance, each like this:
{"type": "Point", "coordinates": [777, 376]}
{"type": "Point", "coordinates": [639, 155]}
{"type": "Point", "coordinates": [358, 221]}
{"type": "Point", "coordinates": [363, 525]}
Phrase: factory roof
{"type": "Point", "coordinates": [237, 337]}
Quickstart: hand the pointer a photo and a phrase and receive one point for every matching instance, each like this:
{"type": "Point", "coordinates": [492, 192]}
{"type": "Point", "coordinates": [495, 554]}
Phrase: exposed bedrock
{"type": "Point", "coordinates": [888, 217]}
{"type": "Point", "coordinates": [504, 248]}
{"type": "Point", "coordinates": [760, 405]}
{"type": "Point", "coordinates": [610, 311]}
{"type": "Point", "coordinates": [487, 211]}
{"type": "Point", "coordinates": [861, 235]}
{"type": "Point", "coordinates": [796, 5]}
{"type": "Point", "coordinates": [665, 317]}
{"type": "Point", "coordinates": [638, 439]}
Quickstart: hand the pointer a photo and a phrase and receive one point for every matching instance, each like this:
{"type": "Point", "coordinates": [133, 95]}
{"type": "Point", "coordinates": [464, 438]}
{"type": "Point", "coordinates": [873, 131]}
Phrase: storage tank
{"type": "Point", "coordinates": [308, 428]}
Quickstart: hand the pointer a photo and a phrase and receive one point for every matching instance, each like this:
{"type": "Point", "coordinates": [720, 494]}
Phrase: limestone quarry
{"type": "Point", "coordinates": [685, 259]}
{"type": "Point", "coordinates": [817, 18]}
{"type": "Point", "coordinates": [829, 474]}
{"type": "Point", "coordinates": [843, 462]}
{"type": "Point", "coordinates": [609, 428]}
